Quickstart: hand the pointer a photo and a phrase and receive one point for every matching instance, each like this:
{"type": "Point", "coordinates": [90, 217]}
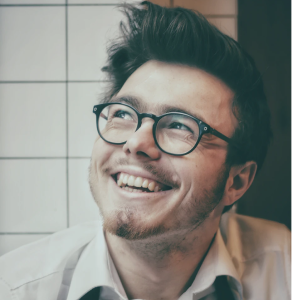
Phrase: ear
{"type": "Point", "coordinates": [239, 180]}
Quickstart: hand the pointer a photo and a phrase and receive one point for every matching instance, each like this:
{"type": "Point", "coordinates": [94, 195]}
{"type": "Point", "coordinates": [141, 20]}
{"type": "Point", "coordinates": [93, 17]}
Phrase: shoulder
{"type": "Point", "coordinates": [260, 252]}
{"type": "Point", "coordinates": [46, 256]}
{"type": "Point", "coordinates": [254, 236]}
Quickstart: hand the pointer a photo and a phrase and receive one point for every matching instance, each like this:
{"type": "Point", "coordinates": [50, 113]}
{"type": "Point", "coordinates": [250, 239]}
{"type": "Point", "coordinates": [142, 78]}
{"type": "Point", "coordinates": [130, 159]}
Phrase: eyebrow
{"type": "Point", "coordinates": [169, 108]}
{"type": "Point", "coordinates": [134, 101]}
{"type": "Point", "coordinates": [140, 105]}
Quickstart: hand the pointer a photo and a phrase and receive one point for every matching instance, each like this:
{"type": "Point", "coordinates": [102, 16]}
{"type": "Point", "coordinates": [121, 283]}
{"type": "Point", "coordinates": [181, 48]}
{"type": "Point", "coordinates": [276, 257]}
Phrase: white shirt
{"type": "Point", "coordinates": [253, 253]}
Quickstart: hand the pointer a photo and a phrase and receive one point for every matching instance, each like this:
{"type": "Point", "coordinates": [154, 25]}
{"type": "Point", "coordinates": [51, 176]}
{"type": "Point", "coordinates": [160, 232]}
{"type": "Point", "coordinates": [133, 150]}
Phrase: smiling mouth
{"type": "Point", "coordinates": [136, 184]}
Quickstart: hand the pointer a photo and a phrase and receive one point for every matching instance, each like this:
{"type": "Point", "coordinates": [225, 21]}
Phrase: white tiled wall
{"type": "Point", "coordinates": [81, 203]}
{"type": "Point", "coordinates": [50, 78]}
{"type": "Point", "coordinates": [32, 43]}
{"type": "Point", "coordinates": [32, 122]}
{"type": "Point", "coordinates": [9, 242]}
{"type": "Point", "coordinates": [82, 97]}
{"type": "Point", "coordinates": [88, 27]}
{"type": "Point", "coordinates": [32, 195]}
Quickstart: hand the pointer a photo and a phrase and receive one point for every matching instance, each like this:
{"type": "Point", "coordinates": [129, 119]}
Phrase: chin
{"type": "Point", "coordinates": [128, 224]}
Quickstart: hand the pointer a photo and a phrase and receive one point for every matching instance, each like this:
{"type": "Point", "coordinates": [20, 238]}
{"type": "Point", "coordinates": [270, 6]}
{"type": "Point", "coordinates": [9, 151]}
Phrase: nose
{"type": "Point", "coordinates": [141, 144]}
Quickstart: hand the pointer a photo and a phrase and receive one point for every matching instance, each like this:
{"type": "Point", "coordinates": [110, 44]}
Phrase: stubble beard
{"type": "Point", "coordinates": [128, 223]}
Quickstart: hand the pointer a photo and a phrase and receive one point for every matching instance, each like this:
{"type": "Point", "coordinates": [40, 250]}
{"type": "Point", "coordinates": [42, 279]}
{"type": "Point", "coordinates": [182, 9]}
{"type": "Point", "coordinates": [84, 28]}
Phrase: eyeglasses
{"type": "Point", "coordinates": [174, 133]}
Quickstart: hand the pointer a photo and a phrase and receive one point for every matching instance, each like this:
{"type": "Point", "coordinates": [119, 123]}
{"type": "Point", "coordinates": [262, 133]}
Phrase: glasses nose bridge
{"type": "Point", "coordinates": [145, 115]}
{"type": "Point", "coordinates": [141, 116]}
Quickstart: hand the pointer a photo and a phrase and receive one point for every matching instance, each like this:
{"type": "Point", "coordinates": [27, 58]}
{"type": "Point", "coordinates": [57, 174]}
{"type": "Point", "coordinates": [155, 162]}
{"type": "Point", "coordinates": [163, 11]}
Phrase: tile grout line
{"type": "Point", "coordinates": [46, 157]}
{"type": "Point", "coordinates": [24, 233]}
{"type": "Point", "coordinates": [67, 114]}
{"type": "Point", "coordinates": [52, 81]}
{"type": "Point", "coordinates": [58, 5]}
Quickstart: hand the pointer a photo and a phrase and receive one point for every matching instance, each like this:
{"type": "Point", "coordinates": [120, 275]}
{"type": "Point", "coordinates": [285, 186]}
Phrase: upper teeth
{"type": "Point", "coordinates": [131, 180]}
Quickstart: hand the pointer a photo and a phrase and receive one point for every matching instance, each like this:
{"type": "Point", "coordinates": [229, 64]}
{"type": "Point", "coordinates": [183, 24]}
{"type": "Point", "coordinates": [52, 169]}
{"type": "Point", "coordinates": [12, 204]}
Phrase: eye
{"type": "Point", "coordinates": [180, 126]}
{"type": "Point", "coordinates": [123, 115]}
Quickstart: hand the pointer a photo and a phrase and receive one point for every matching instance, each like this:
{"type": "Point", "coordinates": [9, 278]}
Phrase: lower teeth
{"type": "Point", "coordinates": [133, 190]}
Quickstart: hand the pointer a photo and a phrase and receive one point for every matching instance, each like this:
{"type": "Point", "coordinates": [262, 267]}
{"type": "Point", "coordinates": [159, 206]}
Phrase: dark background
{"type": "Point", "coordinates": [264, 31]}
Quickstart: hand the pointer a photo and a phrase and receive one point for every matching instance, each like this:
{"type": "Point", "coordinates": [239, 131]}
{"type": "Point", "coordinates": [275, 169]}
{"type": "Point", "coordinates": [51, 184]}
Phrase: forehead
{"type": "Point", "coordinates": [156, 85]}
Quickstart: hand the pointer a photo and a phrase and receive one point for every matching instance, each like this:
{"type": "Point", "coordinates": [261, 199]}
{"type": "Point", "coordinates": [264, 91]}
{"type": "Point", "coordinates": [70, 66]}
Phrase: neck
{"type": "Point", "coordinates": [160, 267]}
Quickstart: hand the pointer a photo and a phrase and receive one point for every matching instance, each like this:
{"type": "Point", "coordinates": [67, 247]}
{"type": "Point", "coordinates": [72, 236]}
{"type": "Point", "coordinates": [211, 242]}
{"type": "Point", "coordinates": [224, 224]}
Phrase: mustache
{"type": "Point", "coordinates": [162, 175]}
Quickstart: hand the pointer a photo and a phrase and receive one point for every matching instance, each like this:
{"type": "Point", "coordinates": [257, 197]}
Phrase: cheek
{"type": "Point", "coordinates": [188, 168]}
{"type": "Point", "coordinates": [199, 171]}
{"type": "Point", "coordinates": [101, 152]}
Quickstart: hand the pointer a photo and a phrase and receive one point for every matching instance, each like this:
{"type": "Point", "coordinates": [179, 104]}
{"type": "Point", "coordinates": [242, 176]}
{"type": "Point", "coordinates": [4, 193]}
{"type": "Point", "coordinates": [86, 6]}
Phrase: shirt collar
{"type": "Point", "coordinates": [97, 267]}
{"type": "Point", "coordinates": [216, 263]}
{"type": "Point", "coordinates": [92, 269]}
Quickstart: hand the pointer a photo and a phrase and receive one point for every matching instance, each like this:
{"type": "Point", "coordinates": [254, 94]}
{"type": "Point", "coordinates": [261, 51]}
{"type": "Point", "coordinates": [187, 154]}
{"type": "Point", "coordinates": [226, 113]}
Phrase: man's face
{"type": "Point", "coordinates": [190, 186]}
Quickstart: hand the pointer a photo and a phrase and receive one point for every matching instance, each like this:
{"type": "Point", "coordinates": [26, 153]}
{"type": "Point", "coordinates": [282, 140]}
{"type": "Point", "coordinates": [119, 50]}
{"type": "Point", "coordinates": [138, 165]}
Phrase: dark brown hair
{"type": "Point", "coordinates": [182, 36]}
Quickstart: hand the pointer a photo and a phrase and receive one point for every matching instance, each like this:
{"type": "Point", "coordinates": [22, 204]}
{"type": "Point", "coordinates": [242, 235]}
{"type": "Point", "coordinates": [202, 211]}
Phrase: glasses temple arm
{"type": "Point", "coordinates": [223, 137]}
{"type": "Point", "coordinates": [103, 116]}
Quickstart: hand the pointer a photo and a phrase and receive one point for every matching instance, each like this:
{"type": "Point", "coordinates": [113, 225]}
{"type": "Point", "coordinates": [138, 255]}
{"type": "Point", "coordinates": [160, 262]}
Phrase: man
{"type": "Point", "coordinates": [182, 132]}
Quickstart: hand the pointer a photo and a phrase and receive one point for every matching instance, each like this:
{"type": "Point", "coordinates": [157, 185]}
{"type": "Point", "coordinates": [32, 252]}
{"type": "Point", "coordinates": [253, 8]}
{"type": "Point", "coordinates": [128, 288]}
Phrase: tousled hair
{"type": "Point", "coordinates": [182, 36]}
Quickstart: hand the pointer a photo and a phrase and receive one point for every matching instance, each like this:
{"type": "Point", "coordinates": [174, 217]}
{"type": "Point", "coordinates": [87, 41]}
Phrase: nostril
{"type": "Point", "coordinates": [141, 153]}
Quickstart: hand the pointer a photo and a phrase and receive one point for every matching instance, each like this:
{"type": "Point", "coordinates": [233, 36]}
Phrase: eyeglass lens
{"type": "Point", "coordinates": [175, 133]}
